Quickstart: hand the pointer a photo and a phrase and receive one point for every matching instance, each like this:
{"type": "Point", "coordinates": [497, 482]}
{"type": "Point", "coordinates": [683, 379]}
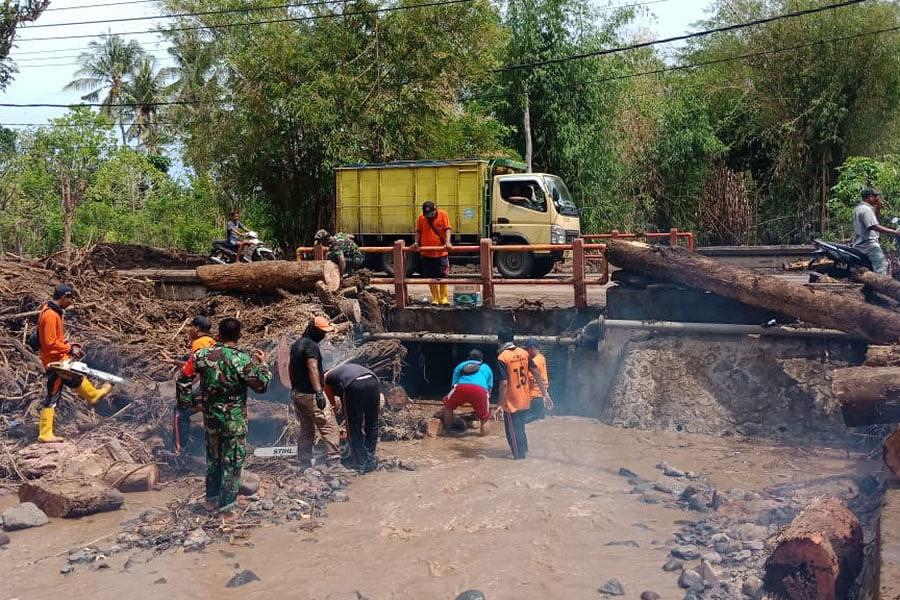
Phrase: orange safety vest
{"type": "Point", "coordinates": [204, 341]}
{"type": "Point", "coordinates": [54, 346]}
{"type": "Point", "coordinates": [518, 395]}
{"type": "Point", "coordinates": [540, 361]}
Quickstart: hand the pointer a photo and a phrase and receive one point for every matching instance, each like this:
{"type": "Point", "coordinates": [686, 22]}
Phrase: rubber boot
{"type": "Point", "coordinates": [435, 293]}
{"type": "Point", "coordinates": [89, 393]}
{"type": "Point", "coordinates": [445, 294]}
{"type": "Point", "coordinates": [45, 426]}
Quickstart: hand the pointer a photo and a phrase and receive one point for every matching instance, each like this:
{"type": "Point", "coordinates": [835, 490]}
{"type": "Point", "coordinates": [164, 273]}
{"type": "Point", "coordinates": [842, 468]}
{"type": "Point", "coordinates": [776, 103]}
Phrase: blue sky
{"type": "Point", "coordinates": [46, 66]}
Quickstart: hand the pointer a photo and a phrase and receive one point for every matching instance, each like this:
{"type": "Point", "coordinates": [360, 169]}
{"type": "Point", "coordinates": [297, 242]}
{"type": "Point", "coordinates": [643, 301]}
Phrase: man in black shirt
{"type": "Point", "coordinates": [360, 392]}
{"type": "Point", "coordinates": [308, 394]}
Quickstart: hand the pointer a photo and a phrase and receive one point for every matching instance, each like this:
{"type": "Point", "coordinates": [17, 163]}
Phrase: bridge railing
{"type": "Point", "coordinates": [582, 253]}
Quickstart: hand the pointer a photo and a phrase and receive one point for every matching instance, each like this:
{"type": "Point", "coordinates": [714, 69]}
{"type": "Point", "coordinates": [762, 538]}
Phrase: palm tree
{"type": "Point", "coordinates": [143, 92]}
{"type": "Point", "coordinates": [104, 69]}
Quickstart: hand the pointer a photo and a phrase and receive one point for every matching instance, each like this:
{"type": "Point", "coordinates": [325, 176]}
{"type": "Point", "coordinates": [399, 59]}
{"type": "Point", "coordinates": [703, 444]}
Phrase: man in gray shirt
{"type": "Point", "coordinates": [866, 229]}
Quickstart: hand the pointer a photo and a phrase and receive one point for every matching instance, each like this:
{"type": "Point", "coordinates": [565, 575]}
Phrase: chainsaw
{"type": "Point", "coordinates": [66, 367]}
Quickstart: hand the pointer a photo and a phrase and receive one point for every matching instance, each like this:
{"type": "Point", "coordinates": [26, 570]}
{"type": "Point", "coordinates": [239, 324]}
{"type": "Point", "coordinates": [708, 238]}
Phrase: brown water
{"type": "Point", "coordinates": [467, 518]}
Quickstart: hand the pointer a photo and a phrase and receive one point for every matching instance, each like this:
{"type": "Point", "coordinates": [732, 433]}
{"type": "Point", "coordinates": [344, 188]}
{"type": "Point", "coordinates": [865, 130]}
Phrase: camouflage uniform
{"type": "Point", "coordinates": [342, 245]}
{"type": "Point", "coordinates": [225, 374]}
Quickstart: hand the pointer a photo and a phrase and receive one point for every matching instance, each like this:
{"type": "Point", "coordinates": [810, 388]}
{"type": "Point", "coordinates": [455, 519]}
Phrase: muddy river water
{"type": "Point", "coordinates": [557, 525]}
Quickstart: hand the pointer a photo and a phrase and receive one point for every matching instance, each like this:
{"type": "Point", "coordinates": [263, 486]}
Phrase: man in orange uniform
{"type": "Point", "coordinates": [513, 369]}
{"type": "Point", "coordinates": [54, 348]}
{"type": "Point", "coordinates": [198, 331]}
{"type": "Point", "coordinates": [433, 229]}
{"type": "Point", "coordinates": [537, 410]}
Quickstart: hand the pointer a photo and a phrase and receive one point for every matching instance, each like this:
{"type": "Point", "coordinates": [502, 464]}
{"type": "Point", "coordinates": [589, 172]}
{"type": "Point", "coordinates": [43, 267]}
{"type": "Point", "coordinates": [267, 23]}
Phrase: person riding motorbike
{"type": "Point", "coordinates": [866, 229]}
{"type": "Point", "coordinates": [234, 229]}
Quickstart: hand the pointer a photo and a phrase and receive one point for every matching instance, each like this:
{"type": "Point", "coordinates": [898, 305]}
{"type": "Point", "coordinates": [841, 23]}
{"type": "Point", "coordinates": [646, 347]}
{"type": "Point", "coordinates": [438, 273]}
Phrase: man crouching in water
{"type": "Point", "coordinates": [225, 373]}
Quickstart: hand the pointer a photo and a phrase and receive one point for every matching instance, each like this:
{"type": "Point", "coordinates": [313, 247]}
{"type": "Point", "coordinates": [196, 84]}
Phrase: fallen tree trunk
{"type": "Point", "coordinates": [346, 306]}
{"type": "Point", "coordinates": [674, 264]}
{"type": "Point", "coordinates": [868, 395]}
{"type": "Point", "coordinates": [818, 555]}
{"type": "Point", "coordinates": [270, 276]}
{"type": "Point", "coordinates": [883, 356]}
{"type": "Point", "coordinates": [70, 498]}
{"type": "Point", "coordinates": [890, 452]}
{"type": "Point", "coordinates": [876, 282]}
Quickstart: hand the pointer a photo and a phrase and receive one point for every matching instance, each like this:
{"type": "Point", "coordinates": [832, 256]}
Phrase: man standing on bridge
{"type": "Point", "coordinates": [513, 367]}
{"type": "Point", "coordinates": [433, 230]}
{"type": "Point", "coordinates": [866, 229]}
{"type": "Point", "coordinates": [225, 373]}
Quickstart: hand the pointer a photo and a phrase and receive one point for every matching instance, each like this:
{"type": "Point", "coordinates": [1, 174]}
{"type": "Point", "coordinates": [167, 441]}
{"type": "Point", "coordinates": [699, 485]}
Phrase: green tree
{"type": "Point", "coordinates": [105, 71]}
{"type": "Point", "coordinates": [143, 92]}
{"type": "Point", "coordinates": [12, 14]}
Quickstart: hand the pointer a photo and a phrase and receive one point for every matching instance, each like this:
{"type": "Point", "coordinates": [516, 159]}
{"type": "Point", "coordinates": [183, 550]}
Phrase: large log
{"type": "Point", "coordinates": [890, 452]}
{"type": "Point", "coordinates": [818, 555]}
{"type": "Point", "coordinates": [868, 395]}
{"type": "Point", "coordinates": [883, 356]}
{"type": "Point", "coordinates": [271, 276]}
{"type": "Point", "coordinates": [876, 282]}
{"type": "Point", "coordinates": [70, 498]}
{"type": "Point", "coordinates": [766, 291]}
{"type": "Point", "coordinates": [346, 306]}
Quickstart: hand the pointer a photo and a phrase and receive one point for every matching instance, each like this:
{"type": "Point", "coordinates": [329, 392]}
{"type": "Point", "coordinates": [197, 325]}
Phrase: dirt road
{"type": "Point", "coordinates": [557, 525]}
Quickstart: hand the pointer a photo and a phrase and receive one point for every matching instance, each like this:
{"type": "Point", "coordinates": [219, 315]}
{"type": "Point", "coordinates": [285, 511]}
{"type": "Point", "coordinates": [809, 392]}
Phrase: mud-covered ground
{"type": "Point", "coordinates": [560, 524]}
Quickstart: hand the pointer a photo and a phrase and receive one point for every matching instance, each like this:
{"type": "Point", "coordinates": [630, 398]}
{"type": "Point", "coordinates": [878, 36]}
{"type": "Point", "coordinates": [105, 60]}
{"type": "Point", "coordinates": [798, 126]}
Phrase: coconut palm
{"type": "Point", "coordinates": [143, 92]}
{"type": "Point", "coordinates": [104, 70]}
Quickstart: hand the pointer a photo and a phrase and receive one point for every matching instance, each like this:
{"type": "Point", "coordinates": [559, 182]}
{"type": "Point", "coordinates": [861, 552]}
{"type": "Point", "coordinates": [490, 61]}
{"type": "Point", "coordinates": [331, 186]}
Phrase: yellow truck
{"type": "Point", "coordinates": [495, 198]}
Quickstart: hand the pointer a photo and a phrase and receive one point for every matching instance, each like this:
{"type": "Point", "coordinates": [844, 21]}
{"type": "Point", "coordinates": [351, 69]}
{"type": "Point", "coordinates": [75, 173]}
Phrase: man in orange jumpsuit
{"type": "Point", "coordinates": [54, 348]}
{"type": "Point", "coordinates": [513, 368]}
{"type": "Point", "coordinates": [198, 331]}
{"type": "Point", "coordinates": [433, 230]}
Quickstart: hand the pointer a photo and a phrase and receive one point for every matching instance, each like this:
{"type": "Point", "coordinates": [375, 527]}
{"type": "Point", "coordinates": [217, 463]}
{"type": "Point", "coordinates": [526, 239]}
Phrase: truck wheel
{"type": "Point", "coordinates": [387, 264]}
{"type": "Point", "coordinates": [542, 266]}
{"type": "Point", "coordinates": [514, 265]}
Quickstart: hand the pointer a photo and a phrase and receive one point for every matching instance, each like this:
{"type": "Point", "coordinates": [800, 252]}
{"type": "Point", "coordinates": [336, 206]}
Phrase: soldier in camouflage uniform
{"type": "Point", "coordinates": [225, 374]}
{"type": "Point", "coordinates": [341, 250]}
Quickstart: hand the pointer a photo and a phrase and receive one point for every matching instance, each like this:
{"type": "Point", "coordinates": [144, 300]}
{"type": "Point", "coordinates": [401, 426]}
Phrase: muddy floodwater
{"type": "Point", "coordinates": [557, 525]}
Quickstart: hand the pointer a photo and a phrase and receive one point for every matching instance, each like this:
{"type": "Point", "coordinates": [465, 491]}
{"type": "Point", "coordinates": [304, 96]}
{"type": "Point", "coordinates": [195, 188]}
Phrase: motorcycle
{"type": "Point", "coordinates": [837, 260]}
{"type": "Point", "coordinates": [253, 251]}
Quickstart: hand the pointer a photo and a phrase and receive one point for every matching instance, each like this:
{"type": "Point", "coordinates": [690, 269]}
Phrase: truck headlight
{"type": "Point", "coordinates": [557, 235]}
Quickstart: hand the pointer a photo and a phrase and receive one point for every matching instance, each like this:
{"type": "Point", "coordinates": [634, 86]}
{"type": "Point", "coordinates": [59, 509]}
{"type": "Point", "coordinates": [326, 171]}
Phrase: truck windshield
{"type": "Point", "coordinates": [562, 199]}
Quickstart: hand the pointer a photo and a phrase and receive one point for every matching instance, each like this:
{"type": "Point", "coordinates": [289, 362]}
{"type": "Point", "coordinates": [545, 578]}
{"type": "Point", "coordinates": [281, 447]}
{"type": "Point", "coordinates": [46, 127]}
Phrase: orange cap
{"type": "Point", "coordinates": [322, 324]}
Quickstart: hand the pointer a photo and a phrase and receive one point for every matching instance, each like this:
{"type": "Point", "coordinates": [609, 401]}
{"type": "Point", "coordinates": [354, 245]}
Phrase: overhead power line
{"type": "Point", "coordinates": [678, 38]}
{"type": "Point", "coordinates": [385, 9]}
{"type": "Point", "coordinates": [80, 6]}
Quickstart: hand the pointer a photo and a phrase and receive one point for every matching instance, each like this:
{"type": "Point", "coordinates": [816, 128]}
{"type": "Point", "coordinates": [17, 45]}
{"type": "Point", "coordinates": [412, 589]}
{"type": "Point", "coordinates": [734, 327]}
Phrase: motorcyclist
{"type": "Point", "coordinates": [866, 229]}
{"type": "Point", "coordinates": [234, 230]}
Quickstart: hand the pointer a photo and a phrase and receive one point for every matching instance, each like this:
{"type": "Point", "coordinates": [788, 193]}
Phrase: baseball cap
{"type": "Point", "coordinates": [475, 354]}
{"type": "Point", "coordinates": [870, 191]}
{"type": "Point", "coordinates": [63, 289]}
{"type": "Point", "coordinates": [429, 209]}
{"type": "Point", "coordinates": [202, 323]}
{"type": "Point", "coordinates": [530, 343]}
{"type": "Point", "coordinates": [322, 324]}
{"type": "Point", "coordinates": [321, 234]}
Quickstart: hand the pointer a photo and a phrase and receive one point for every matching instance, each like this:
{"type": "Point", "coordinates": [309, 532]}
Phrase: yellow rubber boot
{"type": "Point", "coordinates": [45, 426]}
{"type": "Point", "coordinates": [445, 294]}
{"type": "Point", "coordinates": [89, 393]}
{"type": "Point", "coordinates": [435, 293]}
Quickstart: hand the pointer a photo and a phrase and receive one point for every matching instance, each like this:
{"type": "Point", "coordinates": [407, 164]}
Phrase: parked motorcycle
{"type": "Point", "coordinates": [837, 260]}
{"type": "Point", "coordinates": [253, 251]}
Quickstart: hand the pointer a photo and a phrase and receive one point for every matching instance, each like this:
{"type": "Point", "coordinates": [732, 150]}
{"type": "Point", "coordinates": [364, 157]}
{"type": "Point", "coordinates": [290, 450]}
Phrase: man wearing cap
{"type": "Point", "coordinates": [514, 366]}
{"type": "Point", "coordinates": [340, 249]}
{"type": "Point", "coordinates": [538, 409]}
{"type": "Point", "coordinates": [198, 332]}
{"type": "Point", "coordinates": [308, 394]}
{"type": "Point", "coordinates": [359, 391]}
{"type": "Point", "coordinates": [433, 229]}
{"type": "Point", "coordinates": [866, 229]}
{"type": "Point", "coordinates": [472, 383]}
{"type": "Point", "coordinates": [55, 351]}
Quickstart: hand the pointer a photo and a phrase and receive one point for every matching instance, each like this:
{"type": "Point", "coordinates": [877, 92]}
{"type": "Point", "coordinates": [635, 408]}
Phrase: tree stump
{"type": "Point", "coordinates": [818, 555]}
{"type": "Point", "coordinates": [70, 498]}
{"type": "Point", "coordinates": [868, 395]}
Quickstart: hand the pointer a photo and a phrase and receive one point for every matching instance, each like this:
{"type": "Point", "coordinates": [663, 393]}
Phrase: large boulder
{"type": "Point", "coordinates": [70, 498]}
{"type": "Point", "coordinates": [24, 516]}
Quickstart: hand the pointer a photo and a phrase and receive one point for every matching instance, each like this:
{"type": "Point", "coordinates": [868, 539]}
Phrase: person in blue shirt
{"type": "Point", "coordinates": [472, 384]}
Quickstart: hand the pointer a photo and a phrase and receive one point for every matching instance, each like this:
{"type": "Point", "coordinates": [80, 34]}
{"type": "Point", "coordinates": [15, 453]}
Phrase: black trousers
{"type": "Point", "coordinates": [537, 411]}
{"type": "Point", "coordinates": [515, 432]}
{"type": "Point", "coordinates": [54, 386]}
{"type": "Point", "coordinates": [361, 400]}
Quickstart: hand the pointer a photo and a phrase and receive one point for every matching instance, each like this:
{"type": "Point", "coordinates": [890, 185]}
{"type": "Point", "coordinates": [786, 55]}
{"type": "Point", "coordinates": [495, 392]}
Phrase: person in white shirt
{"type": "Point", "coordinates": [866, 229]}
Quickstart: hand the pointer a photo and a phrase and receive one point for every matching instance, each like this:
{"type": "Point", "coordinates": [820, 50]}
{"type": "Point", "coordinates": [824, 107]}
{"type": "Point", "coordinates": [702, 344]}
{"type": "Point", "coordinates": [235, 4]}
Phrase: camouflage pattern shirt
{"type": "Point", "coordinates": [342, 245]}
{"type": "Point", "coordinates": [225, 374]}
